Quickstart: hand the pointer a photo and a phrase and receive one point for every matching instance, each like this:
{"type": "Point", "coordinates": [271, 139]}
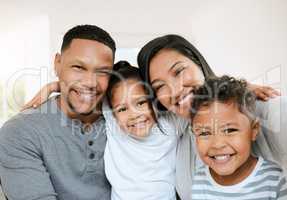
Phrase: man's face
{"type": "Point", "coordinates": [83, 71]}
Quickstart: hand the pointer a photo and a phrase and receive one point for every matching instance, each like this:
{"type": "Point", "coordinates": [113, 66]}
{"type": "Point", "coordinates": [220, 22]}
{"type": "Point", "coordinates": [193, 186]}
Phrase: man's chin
{"type": "Point", "coordinates": [84, 110]}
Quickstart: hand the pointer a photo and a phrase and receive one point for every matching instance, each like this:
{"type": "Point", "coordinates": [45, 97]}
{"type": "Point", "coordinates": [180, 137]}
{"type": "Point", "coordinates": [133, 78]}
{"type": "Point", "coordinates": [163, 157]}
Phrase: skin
{"type": "Point", "coordinates": [176, 80]}
{"type": "Point", "coordinates": [223, 137]}
{"type": "Point", "coordinates": [83, 71]}
{"type": "Point", "coordinates": [131, 108]}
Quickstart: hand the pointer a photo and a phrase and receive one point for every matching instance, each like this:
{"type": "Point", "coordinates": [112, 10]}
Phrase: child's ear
{"type": "Point", "coordinates": [57, 64]}
{"type": "Point", "coordinates": [255, 126]}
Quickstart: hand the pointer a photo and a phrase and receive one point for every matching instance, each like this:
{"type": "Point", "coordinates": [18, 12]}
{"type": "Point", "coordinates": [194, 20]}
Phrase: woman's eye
{"type": "Point", "coordinates": [179, 70]}
{"type": "Point", "coordinates": [158, 87]}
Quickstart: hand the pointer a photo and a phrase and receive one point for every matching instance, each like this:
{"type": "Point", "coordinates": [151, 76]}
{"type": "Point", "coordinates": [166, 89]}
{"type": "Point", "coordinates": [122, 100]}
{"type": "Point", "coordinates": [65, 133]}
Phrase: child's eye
{"type": "Point", "coordinates": [123, 109]}
{"type": "Point", "coordinates": [229, 130]}
{"type": "Point", "coordinates": [204, 134]}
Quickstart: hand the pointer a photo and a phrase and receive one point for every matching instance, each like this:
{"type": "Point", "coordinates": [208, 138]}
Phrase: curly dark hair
{"type": "Point", "coordinates": [89, 32]}
{"type": "Point", "coordinates": [224, 89]}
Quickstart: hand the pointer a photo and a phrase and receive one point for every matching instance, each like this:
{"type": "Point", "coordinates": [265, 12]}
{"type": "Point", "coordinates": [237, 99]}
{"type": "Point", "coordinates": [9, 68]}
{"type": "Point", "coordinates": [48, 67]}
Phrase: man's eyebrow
{"type": "Point", "coordinates": [76, 62]}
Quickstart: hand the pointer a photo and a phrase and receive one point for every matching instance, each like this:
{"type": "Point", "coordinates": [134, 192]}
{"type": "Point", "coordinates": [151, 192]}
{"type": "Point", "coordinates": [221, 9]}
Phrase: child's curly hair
{"type": "Point", "coordinates": [224, 89]}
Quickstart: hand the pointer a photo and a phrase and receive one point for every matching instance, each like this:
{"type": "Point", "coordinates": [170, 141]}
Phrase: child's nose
{"type": "Point", "coordinates": [218, 141]}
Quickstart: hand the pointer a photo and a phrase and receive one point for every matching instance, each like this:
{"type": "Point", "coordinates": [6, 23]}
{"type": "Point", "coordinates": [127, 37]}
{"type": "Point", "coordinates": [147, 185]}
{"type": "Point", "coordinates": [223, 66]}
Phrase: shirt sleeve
{"type": "Point", "coordinates": [282, 191]}
{"type": "Point", "coordinates": [272, 140]}
{"type": "Point", "coordinates": [22, 171]}
{"type": "Point", "coordinates": [180, 124]}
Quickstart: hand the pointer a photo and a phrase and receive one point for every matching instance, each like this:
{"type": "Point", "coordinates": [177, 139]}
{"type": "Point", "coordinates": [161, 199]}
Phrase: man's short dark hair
{"type": "Point", "coordinates": [89, 32]}
{"type": "Point", "coordinates": [225, 89]}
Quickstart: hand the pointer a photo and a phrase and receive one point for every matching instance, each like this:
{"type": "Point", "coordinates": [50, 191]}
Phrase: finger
{"type": "Point", "coordinates": [262, 96]}
{"type": "Point", "coordinates": [271, 92]}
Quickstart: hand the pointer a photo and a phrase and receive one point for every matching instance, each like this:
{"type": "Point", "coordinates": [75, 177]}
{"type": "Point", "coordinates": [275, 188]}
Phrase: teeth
{"type": "Point", "coordinates": [223, 157]}
{"type": "Point", "coordinates": [139, 124]}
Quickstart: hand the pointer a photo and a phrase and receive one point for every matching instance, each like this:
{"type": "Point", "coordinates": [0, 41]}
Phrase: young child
{"type": "Point", "coordinates": [224, 127]}
{"type": "Point", "coordinates": [141, 147]}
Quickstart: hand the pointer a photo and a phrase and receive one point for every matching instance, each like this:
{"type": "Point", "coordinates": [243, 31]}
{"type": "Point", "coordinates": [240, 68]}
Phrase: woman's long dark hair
{"type": "Point", "coordinates": [174, 42]}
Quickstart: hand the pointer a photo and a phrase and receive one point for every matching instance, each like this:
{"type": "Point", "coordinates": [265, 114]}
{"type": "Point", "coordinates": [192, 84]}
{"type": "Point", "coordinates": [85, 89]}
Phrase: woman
{"type": "Point", "coordinates": [174, 67]}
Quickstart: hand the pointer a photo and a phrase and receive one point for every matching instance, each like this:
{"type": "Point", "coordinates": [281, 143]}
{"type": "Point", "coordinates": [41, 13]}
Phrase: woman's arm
{"type": "Point", "coordinates": [271, 143]}
{"type": "Point", "coordinates": [43, 95]}
{"type": "Point", "coordinates": [263, 93]}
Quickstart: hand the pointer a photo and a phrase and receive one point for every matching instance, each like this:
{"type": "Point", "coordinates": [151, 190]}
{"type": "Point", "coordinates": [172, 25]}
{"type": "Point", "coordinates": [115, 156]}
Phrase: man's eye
{"type": "Point", "coordinates": [103, 72]}
{"type": "Point", "coordinates": [77, 67]}
{"type": "Point", "coordinates": [229, 130]}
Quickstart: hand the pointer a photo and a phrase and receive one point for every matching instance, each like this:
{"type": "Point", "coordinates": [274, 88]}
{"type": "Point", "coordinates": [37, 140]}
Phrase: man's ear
{"type": "Point", "coordinates": [255, 126]}
{"type": "Point", "coordinates": [57, 64]}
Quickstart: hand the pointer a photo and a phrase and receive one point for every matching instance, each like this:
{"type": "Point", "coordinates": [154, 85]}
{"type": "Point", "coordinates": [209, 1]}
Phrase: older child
{"type": "Point", "coordinates": [141, 147]}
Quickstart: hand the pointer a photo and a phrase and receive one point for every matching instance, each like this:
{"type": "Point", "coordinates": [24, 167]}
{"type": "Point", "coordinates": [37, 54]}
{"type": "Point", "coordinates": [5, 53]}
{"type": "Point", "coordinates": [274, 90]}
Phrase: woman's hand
{"type": "Point", "coordinates": [263, 92]}
{"type": "Point", "coordinates": [43, 95]}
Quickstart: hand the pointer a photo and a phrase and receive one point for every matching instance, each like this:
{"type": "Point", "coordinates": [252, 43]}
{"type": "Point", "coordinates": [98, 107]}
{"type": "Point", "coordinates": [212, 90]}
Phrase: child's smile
{"type": "Point", "coordinates": [132, 108]}
{"type": "Point", "coordinates": [223, 138]}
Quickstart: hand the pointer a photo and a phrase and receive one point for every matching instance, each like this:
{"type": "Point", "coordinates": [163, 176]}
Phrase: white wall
{"type": "Point", "coordinates": [245, 38]}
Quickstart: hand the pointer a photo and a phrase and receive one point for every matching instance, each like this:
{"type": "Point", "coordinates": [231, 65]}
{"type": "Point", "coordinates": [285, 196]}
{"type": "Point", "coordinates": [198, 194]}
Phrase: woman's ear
{"type": "Point", "coordinates": [255, 126]}
{"type": "Point", "coordinates": [57, 64]}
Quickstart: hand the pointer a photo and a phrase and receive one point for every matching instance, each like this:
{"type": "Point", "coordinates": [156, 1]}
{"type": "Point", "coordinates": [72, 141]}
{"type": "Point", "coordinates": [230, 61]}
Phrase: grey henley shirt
{"type": "Point", "coordinates": [44, 155]}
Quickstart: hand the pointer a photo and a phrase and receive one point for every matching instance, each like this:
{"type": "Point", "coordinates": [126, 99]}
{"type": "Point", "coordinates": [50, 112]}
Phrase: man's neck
{"type": "Point", "coordinates": [85, 119]}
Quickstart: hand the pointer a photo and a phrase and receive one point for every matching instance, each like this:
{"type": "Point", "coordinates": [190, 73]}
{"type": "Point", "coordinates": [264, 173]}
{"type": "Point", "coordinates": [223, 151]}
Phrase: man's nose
{"type": "Point", "coordinates": [90, 80]}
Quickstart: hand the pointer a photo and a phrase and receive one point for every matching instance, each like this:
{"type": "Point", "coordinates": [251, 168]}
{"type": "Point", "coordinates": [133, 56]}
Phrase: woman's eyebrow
{"type": "Point", "coordinates": [156, 80]}
{"type": "Point", "coordinates": [174, 65]}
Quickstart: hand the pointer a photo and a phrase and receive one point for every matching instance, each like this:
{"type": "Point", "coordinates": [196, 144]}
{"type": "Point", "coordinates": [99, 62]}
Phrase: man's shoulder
{"type": "Point", "coordinates": [27, 122]}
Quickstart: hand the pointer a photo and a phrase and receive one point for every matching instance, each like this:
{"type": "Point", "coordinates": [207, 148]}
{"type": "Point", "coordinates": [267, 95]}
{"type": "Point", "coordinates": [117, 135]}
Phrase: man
{"type": "Point", "coordinates": [56, 151]}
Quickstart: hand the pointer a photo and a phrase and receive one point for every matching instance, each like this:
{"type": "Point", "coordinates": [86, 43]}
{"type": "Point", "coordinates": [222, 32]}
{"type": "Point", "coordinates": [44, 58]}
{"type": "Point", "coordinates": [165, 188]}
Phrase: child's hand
{"type": "Point", "coordinates": [263, 92]}
{"type": "Point", "coordinates": [43, 95]}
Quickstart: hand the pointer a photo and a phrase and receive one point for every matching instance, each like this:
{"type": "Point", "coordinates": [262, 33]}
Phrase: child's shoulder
{"type": "Point", "coordinates": [270, 168]}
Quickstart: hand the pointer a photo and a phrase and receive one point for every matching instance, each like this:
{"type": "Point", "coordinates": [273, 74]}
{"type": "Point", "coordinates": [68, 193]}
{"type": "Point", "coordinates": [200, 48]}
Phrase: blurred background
{"type": "Point", "coordinates": [243, 38]}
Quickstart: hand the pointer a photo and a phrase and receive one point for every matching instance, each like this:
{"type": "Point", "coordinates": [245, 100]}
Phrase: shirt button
{"type": "Point", "coordinates": [92, 156]}
{"type": "Point", "coordinates": [90, 143]}
{"type": "Point", "coordinates": [87, 129]}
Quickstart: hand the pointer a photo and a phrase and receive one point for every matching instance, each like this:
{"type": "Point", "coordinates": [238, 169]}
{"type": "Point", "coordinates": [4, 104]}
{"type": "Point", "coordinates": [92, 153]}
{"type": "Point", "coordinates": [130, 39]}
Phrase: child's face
{"type": "Point", "coordinates": [131, 107]}
{"type": "Point", "coordinates": [223, 137]}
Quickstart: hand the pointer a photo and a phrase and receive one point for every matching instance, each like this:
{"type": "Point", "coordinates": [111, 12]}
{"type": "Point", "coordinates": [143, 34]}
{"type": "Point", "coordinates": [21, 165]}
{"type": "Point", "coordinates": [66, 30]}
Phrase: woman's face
{"type": "Point", "coordinates": [173, 77]}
